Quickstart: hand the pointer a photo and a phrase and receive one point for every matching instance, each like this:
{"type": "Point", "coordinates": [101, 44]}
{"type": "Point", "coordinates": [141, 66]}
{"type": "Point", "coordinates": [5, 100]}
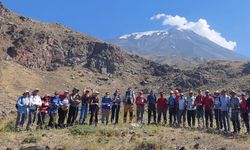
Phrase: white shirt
{"type": "Point", "coordinates": [190, 102]}
{"type": "Point", "coordinates": [35, 101]}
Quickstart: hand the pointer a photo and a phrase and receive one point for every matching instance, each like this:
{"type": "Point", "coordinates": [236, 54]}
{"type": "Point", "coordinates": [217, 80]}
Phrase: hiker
{"type": "Point", "coordinates": [176, 97]}
{"type": "Point", "coordinates": [129, 101]}
{"type": "Point", "coordinates": [199, 108]}
{"type": "Point", "coordinates": [182, 110]}
{"type": "Point", "coordinates": [224, 99]}
{"type": "Point", "coordinates": [94, 107]}
{"type": "Point", "coordinates": [63, 108]}
{"type": "Point", "coordinates": [55, 102]}
{"type": "Point", "coordinates": [34, 103]}
{"type": "Point", "coordinates": [116, 102]}
{"type": "Point", "coordinates": [140, 106]}
{"type": "Point", "coordinates": [234, 105]}
{"type": "Point", "coordinates": [74, 100]}
{"type": "Point", "coordinates": [162, 108]}
{"type": "Point", "coordinates": [43, 111]}
{"type": "Point", "coordinates": [85, 105]}
{"type": "Point", "coordinates": [172, 108]}
{"type": "Point", "coordinates": [151, 106]}
{"type": "Point", "coordinates": [22, 110]}
{"type": "Point", "coordinates": [106, 107]}
{"type": "Point", "coordinates": [217, 110]}
{"type": "Point", "coordinates": [208, 105]}
{"type": "Point", "coordinates": [248, 101]}
{"type": "Point", "coordinates": [191, 112]}
{"type": "Point", "coordinates": [244, 111]}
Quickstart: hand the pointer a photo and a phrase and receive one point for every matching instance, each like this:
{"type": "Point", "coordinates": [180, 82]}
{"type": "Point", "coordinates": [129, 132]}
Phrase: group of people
{"type": "Point", "coordinates": [66, 105]}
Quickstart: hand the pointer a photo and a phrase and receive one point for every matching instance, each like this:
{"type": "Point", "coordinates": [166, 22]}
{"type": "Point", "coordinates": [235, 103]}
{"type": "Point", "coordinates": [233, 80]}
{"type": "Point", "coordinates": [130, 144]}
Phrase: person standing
{"type": "Point", "coordinates": [191, 112]}
{"type": "Point", "coordinates": [53, 113]}
{"type": "Point", "coordinates": [85, 105]}
{"type": "Point", "coordinates": [94, 108]}
{"type": "Point", "coordinates": [116, 105]}
{"type": "Point", "coordinates": [162, 108]}
{"type": "Point", "coordinates": [244, 111]}
{"type": "Point", "coordinates": [140, 106]}
{"type": "Point", "coordinates": [129, 101]}
{"type": "Point", "coordinates": [217, 110]}
{"type": "Point", "coordinates": [208, 104]}
{"type": "Point", "coordinates": [63, 108]}
{"type": "Point", "coordinates": [248, 101]}
{"type": "Point", "coordinates": [74, 100]}
{"type": "Point", "coordinates": [22, 110]}
{"type": "Point", "coordinates": [151, 106]}
{"type": "Point", "coordinates": [182, 110]}
{"type": "Point", "coordinates": [43, 111]}
{"type": "Point", "coordinates": [199, 108]}
{"type": "Point", "coordinates": [234, 105]}
{"type": "Point", "coordinates": [177, 97]}
{"type": "Point", "coordinates": [34, 103]}
{"type": "Point", "coordinates": [224, 99]}
{"type": "Point", "coordinates": [106, 106]}
{"type": "Point", "coordinates": [172, 108]}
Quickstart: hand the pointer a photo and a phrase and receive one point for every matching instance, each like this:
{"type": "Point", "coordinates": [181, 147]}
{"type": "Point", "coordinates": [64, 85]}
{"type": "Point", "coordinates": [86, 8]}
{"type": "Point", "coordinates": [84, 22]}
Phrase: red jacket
{"type": "Point", "coordinates": [45, 106]}
{"type": "Point", "coordinates": [177, 101]}
{"type": "Point", "coordinates": [243, 105]}
{"type": "Point", "coordinates": [208, 102]}
{"type": "Point", "coordinates": [199, 100]}
{"type": "Point", "coordinates": [140, 101]}
{"type": "Point", "coordinates": [162, 104]}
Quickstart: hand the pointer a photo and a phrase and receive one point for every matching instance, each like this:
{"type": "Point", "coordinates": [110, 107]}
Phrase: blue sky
{"type": "Point", "coordinates": [108, 19]}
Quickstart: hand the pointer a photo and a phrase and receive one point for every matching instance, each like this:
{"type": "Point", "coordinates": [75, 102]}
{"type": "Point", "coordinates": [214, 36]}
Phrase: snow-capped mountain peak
{"type": "Point", "coordinates": [175, 42]}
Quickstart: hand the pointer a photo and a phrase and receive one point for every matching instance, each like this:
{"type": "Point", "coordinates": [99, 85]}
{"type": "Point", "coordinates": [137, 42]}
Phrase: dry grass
{"type": "Point", "coordinates": [123, 136]}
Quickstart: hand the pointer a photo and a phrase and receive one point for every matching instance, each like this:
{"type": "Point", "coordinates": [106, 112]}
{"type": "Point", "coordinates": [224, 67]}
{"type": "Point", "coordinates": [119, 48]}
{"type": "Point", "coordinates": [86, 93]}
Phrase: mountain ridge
{"type": "Point", "coordinates": [174, 42]}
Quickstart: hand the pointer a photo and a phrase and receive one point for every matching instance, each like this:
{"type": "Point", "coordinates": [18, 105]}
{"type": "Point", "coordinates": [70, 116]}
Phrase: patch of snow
{"type": "Point", "coordinates": [139, 35]}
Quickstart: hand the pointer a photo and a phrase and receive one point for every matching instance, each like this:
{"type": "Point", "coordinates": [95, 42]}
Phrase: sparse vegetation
{"type": "Point", "coordinates": [82, 130]}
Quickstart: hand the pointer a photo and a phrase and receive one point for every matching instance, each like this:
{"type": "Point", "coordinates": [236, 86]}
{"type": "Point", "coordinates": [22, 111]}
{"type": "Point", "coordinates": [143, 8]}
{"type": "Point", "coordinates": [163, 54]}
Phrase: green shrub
{"type": "Point", "coordinates": [7, 127]}
{"type": "Point", "coordinates": [109, 131]}
{"type": "Point", "coordinates": [82, 130]}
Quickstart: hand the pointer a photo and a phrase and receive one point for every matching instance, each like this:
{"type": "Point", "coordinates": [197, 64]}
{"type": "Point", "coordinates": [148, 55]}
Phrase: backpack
{"type": "Point", "coordinates": [17, 101]}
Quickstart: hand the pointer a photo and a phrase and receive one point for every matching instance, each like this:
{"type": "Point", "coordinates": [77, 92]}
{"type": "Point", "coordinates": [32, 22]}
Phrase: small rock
{"type": "Point", "coordinates": [223, 148]}
{"type": "Point", "coordinates": [197, 146]}
{"type": "Point", "coordinates": [123, 134]}
{"type": "Point", "coordinates": [173, 139]}
{"type": "Point", "coordinates": [197, 138]}
{"type": "Point", "coordinates": [183, 148]}
{"type": "Point", "coordinates": [59, 147]}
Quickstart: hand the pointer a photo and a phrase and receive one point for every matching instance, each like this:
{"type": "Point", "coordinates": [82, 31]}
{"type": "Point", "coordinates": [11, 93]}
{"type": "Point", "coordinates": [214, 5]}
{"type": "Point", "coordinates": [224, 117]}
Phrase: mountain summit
{"type": "Point", "coordinates": [175, 42]}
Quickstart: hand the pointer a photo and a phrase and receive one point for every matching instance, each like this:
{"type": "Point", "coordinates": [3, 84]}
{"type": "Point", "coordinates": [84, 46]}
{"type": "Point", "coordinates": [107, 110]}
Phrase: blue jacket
{"type": "Point", "coordinates": [53, 102]}
{"type": "Point", "coordinates": [171, 102]}
{"type": "Point", "coordinates": [22, 104]}
{"type": "Point", "coordinates": [152, 99]}
{"type": "Point", "coordinates": [106, 103]}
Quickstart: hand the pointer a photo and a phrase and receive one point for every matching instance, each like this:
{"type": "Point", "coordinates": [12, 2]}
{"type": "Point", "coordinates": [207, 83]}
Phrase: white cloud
{"type": "Point", "coordinates": [200, 27]}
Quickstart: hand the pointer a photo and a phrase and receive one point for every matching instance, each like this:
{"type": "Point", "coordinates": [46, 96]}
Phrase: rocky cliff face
{"type": "Point", "coordinates": [49, 46]}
